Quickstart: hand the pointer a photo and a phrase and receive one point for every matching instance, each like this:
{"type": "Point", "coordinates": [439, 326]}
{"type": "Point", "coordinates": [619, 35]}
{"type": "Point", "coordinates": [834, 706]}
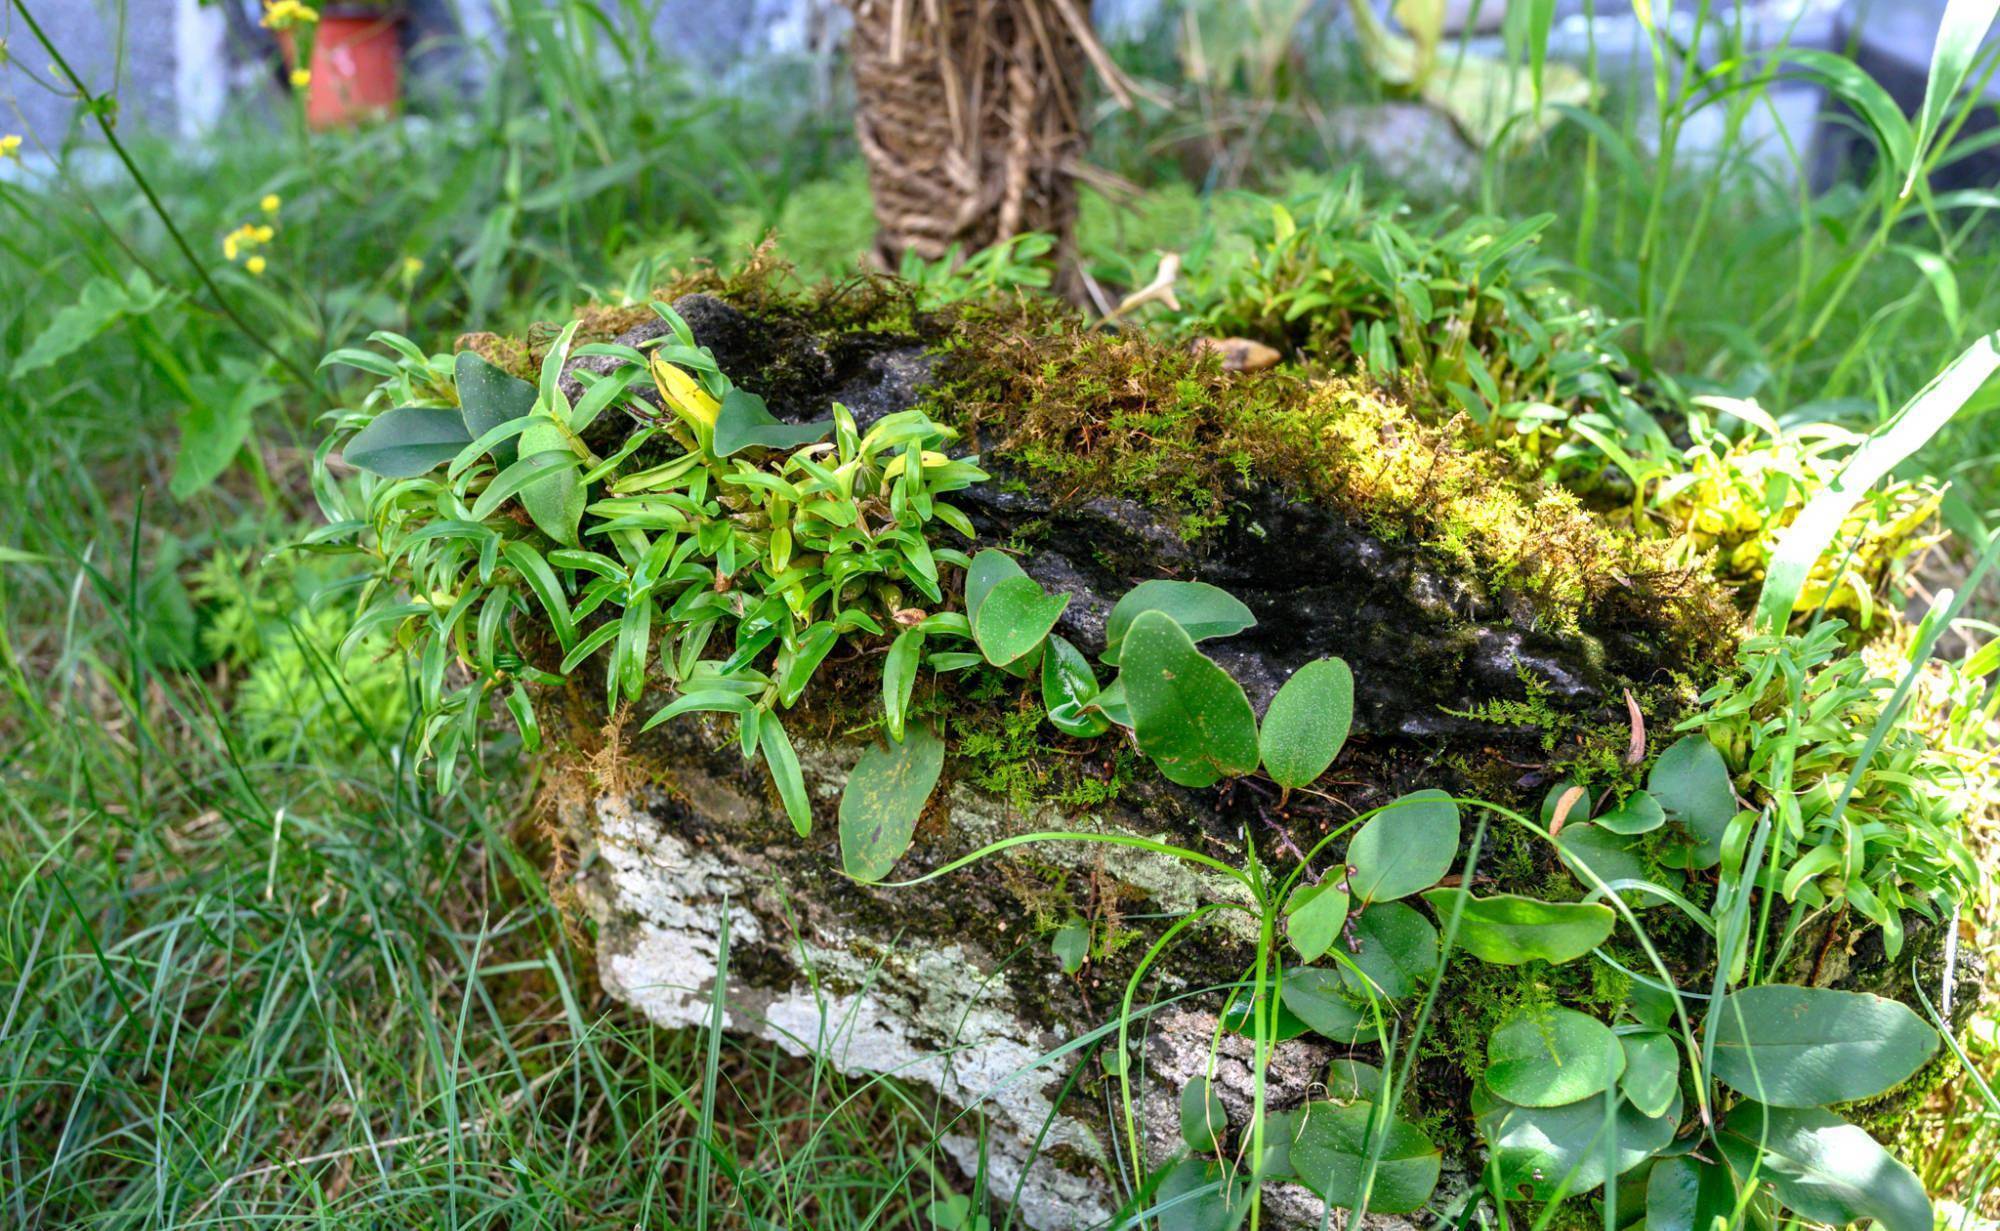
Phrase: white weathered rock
{"type": "Point", "coordinates": [927, 1010]}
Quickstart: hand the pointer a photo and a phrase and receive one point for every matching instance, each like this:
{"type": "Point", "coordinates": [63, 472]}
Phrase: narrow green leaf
{"type": "Point", "coordinates": [541, 580]}
{"type": "Point", "coordinates": [784, 763]}
{"type": "Point", "coordinates": [899, 678]}
{"type": "Point", "coordinates": [1959, 37]}
{"type": "Point", "coordinates": [510, 481]}
{"type": "Point", "coordinates": [1807, 538]}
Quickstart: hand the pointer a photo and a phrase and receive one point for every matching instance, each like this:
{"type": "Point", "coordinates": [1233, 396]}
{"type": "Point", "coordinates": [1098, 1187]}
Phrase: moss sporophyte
{"type": "Point", "coordinates": [723, 556]}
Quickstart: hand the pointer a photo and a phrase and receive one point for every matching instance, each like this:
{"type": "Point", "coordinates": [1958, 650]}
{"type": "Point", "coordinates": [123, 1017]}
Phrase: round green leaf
{"type": "Point", "coordinates": [1579, 809]}
{"type": "Point", "coordinates": [1313, 918]}
{"type": "Point", "coordinates": [1015, 617]}
{"type": "Point", "coordinates": [1551, 1058]}
{"type": "Point", "coordinates": [1508, 929]}
{"type": "Point", "coordinates": [1652, 1071]}
{"type": "Point", "coordinates": [1349, 1080]}
{"type": "Point", "coordinates": [1203, 610]}
{"type": "Point", "coordinates": [1615, 857]}
{"type": "Point", "coordinates": [1398, 951]}
{"type": "Point", "coordinates": [1188, 714]}
{"type": "Point", "coordinates": [1332, 1152]}
{"type": "Point", "coordinates": [1690, 782]}
{"type": "Point", "coordinates": [1204, 1120]}
{"type": "Point", "coordinates": [1315, 996]}
{"type": "Point", "coordinates": [1406, 847]}
{"type": "Point", "coordinates": [1241, 1017]}
{"type": "Point", "coordinates": [1640, 813]}
{"type": "Point", "coordinates": [1307, 722]}
{"type": "Point", "coordinates": [1824, 1168]}
{"type": "Point", "coordinates": [1544, 1152]}
{"type": "Point", "coordinates": [884, 796]}
{"type": "Point", "coordinates": [1686, 1194]}
{"type": "Point", "coordinates": [1071, 946]}
{"type": "Point", "coordinates": [1198, 1195]}
{"type": "Point", "coordinates": [989, 569]}
{"type": "Point", "coordinates": [1280, 1127]}
{"type": "Point", "coordinates": [407, 441]}
{"type": "Point", "coordinates": [1790, 1046]}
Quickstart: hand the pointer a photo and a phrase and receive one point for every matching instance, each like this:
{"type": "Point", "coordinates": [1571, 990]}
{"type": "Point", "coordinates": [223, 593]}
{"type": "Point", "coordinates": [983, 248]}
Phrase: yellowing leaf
{"type": "Point", "coordinates": [684, 395]}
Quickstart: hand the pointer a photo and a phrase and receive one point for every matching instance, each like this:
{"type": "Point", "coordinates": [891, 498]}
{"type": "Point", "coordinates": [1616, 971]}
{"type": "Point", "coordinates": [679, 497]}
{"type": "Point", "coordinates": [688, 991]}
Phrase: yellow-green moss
{"type": "Point", "coordinates": [1084, 412]}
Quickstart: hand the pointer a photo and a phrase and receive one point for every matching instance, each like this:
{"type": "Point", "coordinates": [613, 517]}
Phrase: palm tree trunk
{"type": "Point", "coordinates": [970, 115]}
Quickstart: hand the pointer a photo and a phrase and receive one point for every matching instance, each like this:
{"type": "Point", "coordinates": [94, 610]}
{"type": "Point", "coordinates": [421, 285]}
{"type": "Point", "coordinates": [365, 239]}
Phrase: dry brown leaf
{"type": "Point", "coordinates": [1563, 806]}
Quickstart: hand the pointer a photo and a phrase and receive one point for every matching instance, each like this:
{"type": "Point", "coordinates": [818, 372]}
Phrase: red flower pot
{"type": "Point", "coordinates": [357, 68]}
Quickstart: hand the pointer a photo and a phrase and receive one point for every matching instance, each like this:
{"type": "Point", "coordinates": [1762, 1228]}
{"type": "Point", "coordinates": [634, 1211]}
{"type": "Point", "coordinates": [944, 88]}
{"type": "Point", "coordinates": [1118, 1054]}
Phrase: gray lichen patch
{"type": "Point", "coordinates": [926, 1010]}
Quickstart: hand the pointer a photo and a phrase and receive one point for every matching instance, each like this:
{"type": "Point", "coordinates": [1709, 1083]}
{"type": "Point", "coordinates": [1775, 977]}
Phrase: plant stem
{"type": "Point", "coordinates": [94, 105]}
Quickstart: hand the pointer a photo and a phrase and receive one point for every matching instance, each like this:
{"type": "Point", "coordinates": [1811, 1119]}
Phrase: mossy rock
{"type": "Point", "coordinates": [1496, 631]}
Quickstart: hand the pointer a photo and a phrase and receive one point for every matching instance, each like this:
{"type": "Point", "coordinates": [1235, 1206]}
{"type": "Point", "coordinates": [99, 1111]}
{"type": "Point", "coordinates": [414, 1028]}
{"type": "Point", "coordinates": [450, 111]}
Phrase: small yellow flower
{"type": "Point", "coordinates": [10, 146]}
{"type": "Point", "coordinates": [230, 245]}
{"type": "Point", "coordinates": [263, 234]}
{"type": "Point", "coordinates": [284, 14]}
{"type": "Point", "coordinates": [301, 78]}
{"type": "Point", "coordinates": [270, 203]}
{"type": "Point", "coordinates": [412, 266]}
{"type": "Point", "coordinates": [255, 264]}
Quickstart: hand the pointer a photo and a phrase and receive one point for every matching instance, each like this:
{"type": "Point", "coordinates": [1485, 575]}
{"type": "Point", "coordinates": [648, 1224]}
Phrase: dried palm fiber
{"type": "Point", "coordinates": [970, 116]}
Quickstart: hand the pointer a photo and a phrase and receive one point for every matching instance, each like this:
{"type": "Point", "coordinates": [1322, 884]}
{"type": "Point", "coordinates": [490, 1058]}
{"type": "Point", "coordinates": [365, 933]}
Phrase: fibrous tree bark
{"type": "Point", "coordinates": [970, 115]}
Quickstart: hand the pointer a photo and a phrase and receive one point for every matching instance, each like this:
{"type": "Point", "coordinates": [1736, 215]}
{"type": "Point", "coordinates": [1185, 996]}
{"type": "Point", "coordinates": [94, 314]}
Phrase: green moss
{"type": "Point", "coordinates": [1000, 745]}
{"type": "Point", "coordinates": [1085, 412]}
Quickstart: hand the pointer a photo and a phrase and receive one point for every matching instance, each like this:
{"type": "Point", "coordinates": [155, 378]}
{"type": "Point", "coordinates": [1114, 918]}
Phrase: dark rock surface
{"type": "Point", "coordinates": [799, 374]}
